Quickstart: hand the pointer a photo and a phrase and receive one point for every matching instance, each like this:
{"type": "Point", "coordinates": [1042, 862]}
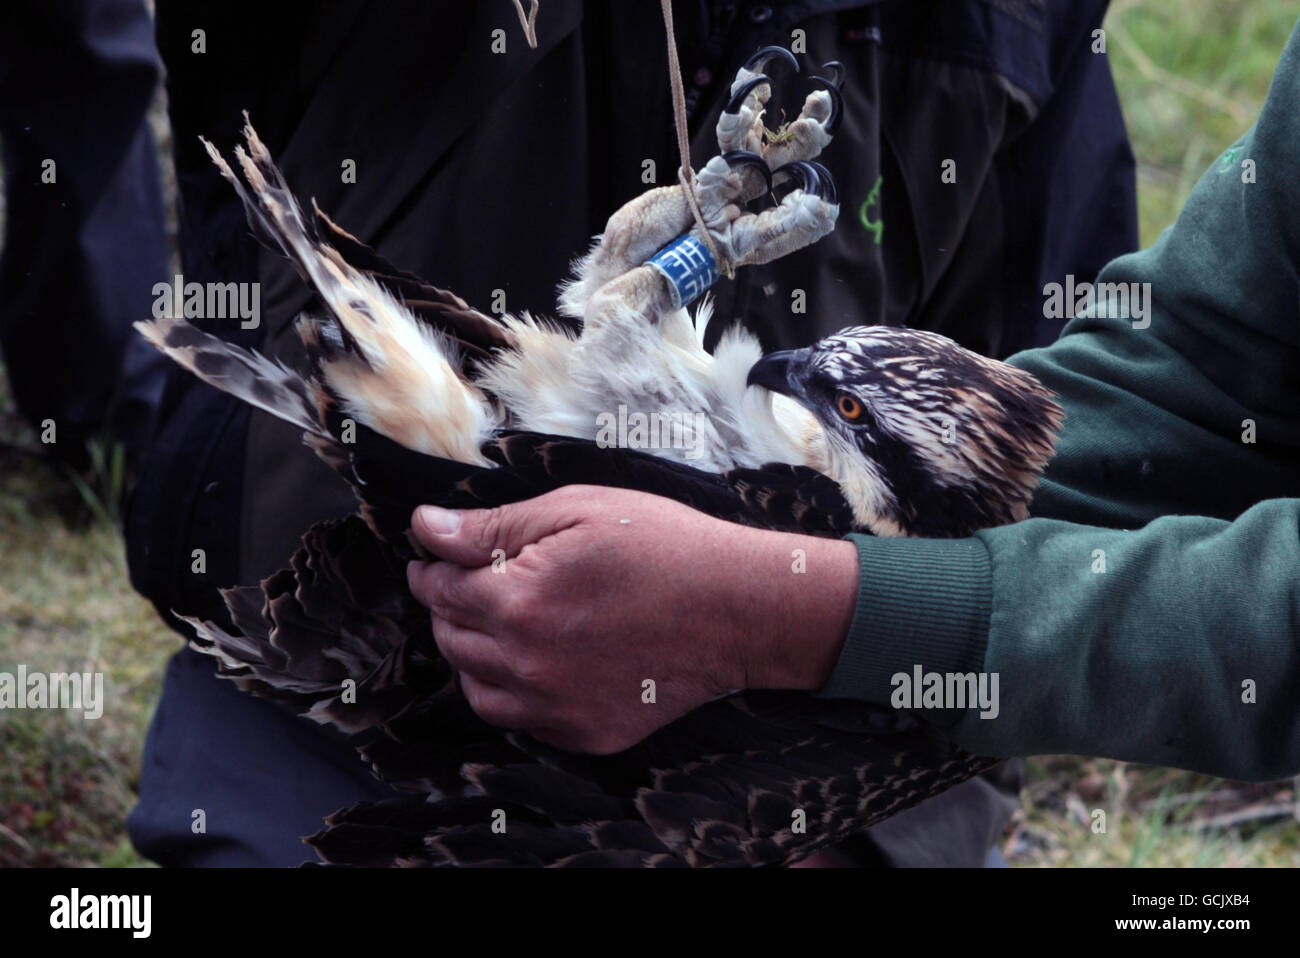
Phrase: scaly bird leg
{"type": "Point", "coordinates": [651, 222]}
{"type": "Point", "coordinates": [648, 292]}
{"type": "Point", "coordinates": [647, 223]}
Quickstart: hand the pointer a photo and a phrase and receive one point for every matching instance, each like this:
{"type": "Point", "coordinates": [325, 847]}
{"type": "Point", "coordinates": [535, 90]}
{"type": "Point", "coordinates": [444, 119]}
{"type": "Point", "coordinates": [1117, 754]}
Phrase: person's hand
{"type": "Point", "coordinates": [589, 617]}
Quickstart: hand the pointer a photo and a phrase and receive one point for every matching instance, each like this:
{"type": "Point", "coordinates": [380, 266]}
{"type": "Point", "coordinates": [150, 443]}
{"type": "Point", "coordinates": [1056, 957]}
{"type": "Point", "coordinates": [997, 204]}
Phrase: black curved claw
{"type": "Point", "coordinates": [832, 123]}
{"type": "Point", "coordinates": [759, 60]}
{"type": "Point", "coordinates": [836, 72]}
{"type": "Point", "coordinates": [733, 105]}
{"type": "Point", "coordinates": [808, 179]}
{"type": "Point", "coordinates": [828, 191]}
{"type": "Point", "coordinates": [749, 158]}
{"type": "Point", "coordinates": [812, 178]}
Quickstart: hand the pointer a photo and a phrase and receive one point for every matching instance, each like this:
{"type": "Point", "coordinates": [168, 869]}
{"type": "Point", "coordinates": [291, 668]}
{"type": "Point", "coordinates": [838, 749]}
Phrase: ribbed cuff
{"type": "Point", "coordinates": [921, 602]}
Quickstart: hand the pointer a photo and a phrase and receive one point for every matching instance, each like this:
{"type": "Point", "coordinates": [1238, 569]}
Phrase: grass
{"type": "Point", "coordinates": [1192, 75]}
{"type": "Point", "coordinates": [1153, 817]}
{"type": "Point", "coordinates": [67, 782]}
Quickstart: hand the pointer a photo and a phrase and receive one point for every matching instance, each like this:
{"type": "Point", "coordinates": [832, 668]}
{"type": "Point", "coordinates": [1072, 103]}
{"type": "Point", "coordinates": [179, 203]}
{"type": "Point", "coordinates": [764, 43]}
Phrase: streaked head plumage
{"type": "Point", "coordinates": [927, 438]}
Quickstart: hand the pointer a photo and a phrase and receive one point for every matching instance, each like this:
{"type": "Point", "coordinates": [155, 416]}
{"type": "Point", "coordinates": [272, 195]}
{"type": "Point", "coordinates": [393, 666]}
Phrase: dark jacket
{"type": "Point", "coordinates": [484, 171]}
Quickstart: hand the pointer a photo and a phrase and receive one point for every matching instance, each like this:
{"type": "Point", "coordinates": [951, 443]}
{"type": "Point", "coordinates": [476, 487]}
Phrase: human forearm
{"type": "Point", "coordinates": [1172, 645]}
{"type": "Point", "coordinates": [1190, 412]}
{"type": "Point", "coordinates": [789, 607]}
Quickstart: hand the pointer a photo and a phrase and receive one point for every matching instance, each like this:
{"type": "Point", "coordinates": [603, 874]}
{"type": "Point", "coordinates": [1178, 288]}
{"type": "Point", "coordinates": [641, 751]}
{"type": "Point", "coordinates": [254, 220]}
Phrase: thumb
{"type": "Point", "coordinates": [474, 537]}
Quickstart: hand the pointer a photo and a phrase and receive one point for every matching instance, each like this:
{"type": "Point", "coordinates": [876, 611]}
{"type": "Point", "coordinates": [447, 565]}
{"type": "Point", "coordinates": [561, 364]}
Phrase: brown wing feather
{"type": "Point", "coordinates": [476, 334]}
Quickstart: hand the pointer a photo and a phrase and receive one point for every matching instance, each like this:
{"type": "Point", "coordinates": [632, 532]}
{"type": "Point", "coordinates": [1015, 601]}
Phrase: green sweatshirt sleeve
{"type": "Point", "coordinates": [1150, 611]}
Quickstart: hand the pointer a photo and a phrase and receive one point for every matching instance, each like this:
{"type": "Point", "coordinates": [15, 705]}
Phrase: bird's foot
{"type": "Point", "coordinates": [657, 225]}
{"type": "Point", "coordinates": [801, 218]}
{"type": "Point", "coordinates": [755, 156]}
{"type": "Point", "coordinates": [741, 126]}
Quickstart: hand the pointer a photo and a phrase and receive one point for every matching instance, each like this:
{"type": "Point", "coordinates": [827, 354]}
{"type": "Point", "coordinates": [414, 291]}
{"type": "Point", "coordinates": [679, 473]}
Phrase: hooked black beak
{"type": "Point", "coordinates": [774, 371]}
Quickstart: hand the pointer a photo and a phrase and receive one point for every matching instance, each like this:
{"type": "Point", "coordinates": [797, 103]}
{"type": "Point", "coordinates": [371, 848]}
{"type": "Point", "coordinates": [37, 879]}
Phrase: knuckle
{"type": "Point", "coordinates": [485, 702]}
{"type": "Point", "coordinates": [473, 695]}
{"type": "Point", "coordinates": [577, 495]}
{"type": "Point", "coordinates": [453, 589]}
{"type": "Point", "coordinates": [444, 637]}
{"type": "Point", "coordinates": [433, 590]}
{"type": "Point", "coordinates": [450, 591]}
{"type": "Point", "coordinates": [531, 673]}
{"type": "Point", "coordinates": [513, 610]}
{"type": "Point", "coordinates": [490, 531]}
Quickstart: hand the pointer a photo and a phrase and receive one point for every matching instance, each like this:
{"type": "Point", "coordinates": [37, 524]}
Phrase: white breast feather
{"type": "Point", "coordinates": [554, 384]}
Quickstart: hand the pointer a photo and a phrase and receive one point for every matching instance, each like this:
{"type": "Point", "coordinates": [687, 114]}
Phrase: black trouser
{"type": "Point", "coordinates": [85, 238]}
{"type": "Point", "coordinates": [245, 791]}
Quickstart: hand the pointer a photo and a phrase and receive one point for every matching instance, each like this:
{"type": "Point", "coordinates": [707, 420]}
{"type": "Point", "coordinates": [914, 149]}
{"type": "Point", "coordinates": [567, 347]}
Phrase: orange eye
{"type": "Point", "coordinates": [849, 407]}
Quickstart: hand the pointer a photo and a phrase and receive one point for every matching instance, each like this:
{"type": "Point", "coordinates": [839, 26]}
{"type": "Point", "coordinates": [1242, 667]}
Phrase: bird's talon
{"type": "Point", "coordinates": [812, 178]}
{"type": "Point", "coordinates": [743, 158]}
{"type": "Point", "coordinates": [832, 122]}
{"type": "Point", "coordinates": [804, 173]}
{"type": "Point", "coordinates": [835, 72]}
{"type": "Point", "coordinates": [759, 61]}
{"type": "Point", "coordinates": [828, 191]}
{"type": "Point", "coordinates": [743, 92]}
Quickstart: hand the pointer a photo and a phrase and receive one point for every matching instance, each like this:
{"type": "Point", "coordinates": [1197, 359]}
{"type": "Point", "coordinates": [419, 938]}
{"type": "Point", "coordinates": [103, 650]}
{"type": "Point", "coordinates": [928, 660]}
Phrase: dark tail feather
{"type": "Point", "coordinates": [726, 786]}
{"type": "Point", "coordinates": [336, 637]}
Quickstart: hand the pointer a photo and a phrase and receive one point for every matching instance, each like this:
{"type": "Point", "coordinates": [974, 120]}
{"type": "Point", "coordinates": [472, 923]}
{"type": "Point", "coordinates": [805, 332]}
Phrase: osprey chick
{"type": "Point", "coordinates": [887, 431]}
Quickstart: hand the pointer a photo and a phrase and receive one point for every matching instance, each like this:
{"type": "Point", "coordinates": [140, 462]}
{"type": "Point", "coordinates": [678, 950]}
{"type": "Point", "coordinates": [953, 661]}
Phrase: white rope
{"type": "Point", "coordinates": [529, 21]}
{"type": "Point", "coordinates": [685, 174]}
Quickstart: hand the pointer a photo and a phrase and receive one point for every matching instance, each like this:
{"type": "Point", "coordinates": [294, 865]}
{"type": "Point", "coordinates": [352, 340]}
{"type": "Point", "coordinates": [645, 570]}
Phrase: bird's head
{"type": "Point", "coordinates": [925, 438]}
